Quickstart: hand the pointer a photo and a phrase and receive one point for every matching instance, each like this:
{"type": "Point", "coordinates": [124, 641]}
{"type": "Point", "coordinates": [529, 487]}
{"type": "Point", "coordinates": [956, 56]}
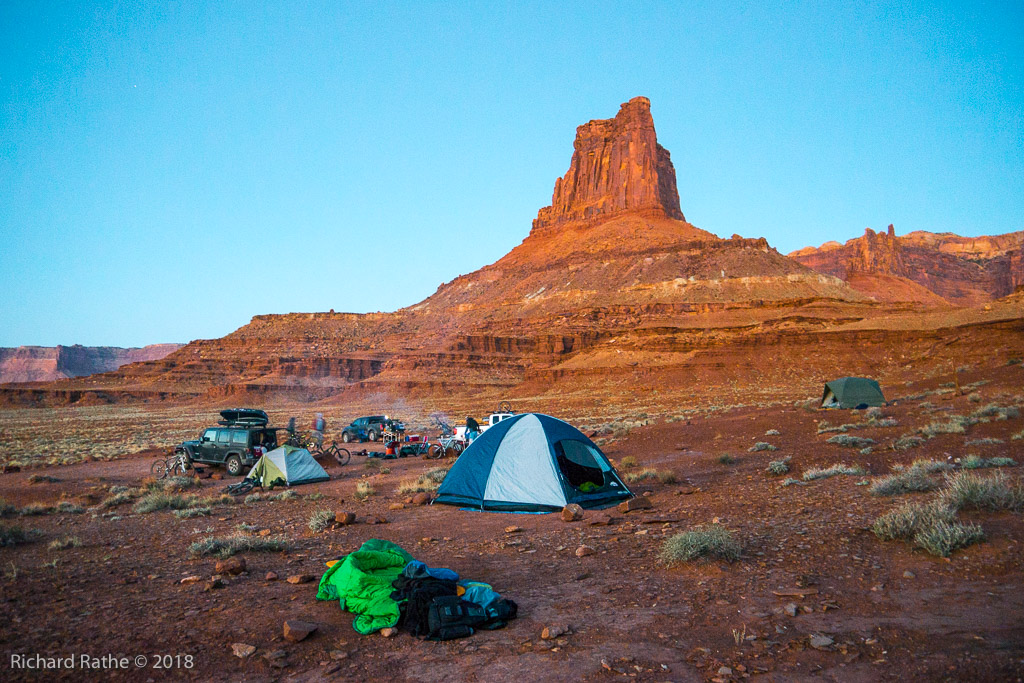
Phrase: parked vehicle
{"type": "Point", "coordinates": [232, 443]}
{"type": "Point", "coordinates": [493, 419]}
{"type": "Point", "coordinates": [370, 428]}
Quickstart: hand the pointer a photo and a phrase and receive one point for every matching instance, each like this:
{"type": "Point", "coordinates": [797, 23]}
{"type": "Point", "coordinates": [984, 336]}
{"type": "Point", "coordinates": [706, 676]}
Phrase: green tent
{"type": "Point", "coordinates": [287, 466]}
{"type": "Point", "coordinates": [852, 392]}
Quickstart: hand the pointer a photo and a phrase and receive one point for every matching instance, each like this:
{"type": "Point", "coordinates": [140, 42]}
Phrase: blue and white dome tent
{"type": "Point", "coordinates": [532, 463]}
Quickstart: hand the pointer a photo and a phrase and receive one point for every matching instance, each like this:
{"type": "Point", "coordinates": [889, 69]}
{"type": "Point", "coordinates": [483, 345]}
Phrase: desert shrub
{"type": "Point", "coordinates": [227, 546]}
{"type": "Point", "coordinates": [835, 470]}
{"type": "Point", "coordinates": [974, 397]}
{"type": "Point", "coordinates": [13, 535]}
{"type": "Point", "coordinates": [726, 459]}
{"type": "Point", "coordinates": [159, 500]}
{"type": "Point", "coordinates": [1001, 462]}
{"type": "Point", "coordinates": [778, 467]}
{"type": "Point", "coordinates": [119, 498]}
{"type": "Point", "coordinates": [762, 446]}
{"type": "Point", "coordinates": [68, 508]}
{"type": "Point", "coordinates": [772, 432]}
{"type": "Point", "coordinates": [175, 483]}
{"type": "Point", "coordinates": [213, 501]}
{"type": "Point", "coordinates": [42, 479]}
{"type": "Point", "coordinates": [188, 513]}
{"type": "Point", "coordinates": [911, 480]}
{"type": "Point", "coordinates": [245, 527]}
{"type": "Point", "coordinates": [705, 541]}
{"type": "Point", "coordinates": [1014, 361]}
{"type": "Point", "coordinates": [320, 520]}
{"type": "Point", "coordinates": [65, 543]}
{"type": "Point", "coordinates": [316, 496]}
{"type": "Point", "coordinates": [34, 510]}
{"type": "Point", "coordinates": [667, 477]}
{"type": "Point", "coordinates": [364, 490]}
{"type": "Point", "coordinates": [956, 424]}
{"type": "Point", "coordinates": [284, 495]}
{"type": "Point", "coordinates": [628, 462]}
{"type": "Point", "coordinates": [942, 538]}
{"type": "Point", "coordinates": [910, 518]}
{"type": "Point", "coordinates": [428, 481]}
{"type": "Point", "coordinates": [975, 491]}
{"type": "Point", "coordinates": [641, 475]}
{"type": "Point", "coordinates": [866, 451]}
{"type": "Point", "coordinates": [987, 441]}
{"type": "Point", "coordinates": [850, 441]}
{"type": "Point", "coordinates": [6, 508]}
{"type": "Point", "coordinates": [791, 481]}
{"type": "Point", "coordinates": [993, 410]}
{"type": "Point", "coordinates": [1018, 436]}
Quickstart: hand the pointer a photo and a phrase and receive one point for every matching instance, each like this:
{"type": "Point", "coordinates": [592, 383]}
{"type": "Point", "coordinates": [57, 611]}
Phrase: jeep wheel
{"type": "Point", "coordinates": [371, 435]}
{"type": "Point", "coordinates": [346, 437]}
{"type": "Point", "coordinates": [234, 465]}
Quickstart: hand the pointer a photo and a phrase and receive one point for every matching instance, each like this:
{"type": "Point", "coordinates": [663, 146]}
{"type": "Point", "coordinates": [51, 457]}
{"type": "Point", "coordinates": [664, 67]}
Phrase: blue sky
{"type": "Point", "coordinates": [168, 170]}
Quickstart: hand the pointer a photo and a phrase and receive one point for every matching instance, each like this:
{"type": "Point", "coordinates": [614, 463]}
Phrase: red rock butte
{"type": "Point", "coordinates": [617, 167]}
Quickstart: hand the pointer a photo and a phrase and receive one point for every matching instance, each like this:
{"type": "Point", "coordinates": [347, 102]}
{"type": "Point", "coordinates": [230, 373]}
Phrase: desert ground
{"type": "Point", "coordinates": [814, 593]}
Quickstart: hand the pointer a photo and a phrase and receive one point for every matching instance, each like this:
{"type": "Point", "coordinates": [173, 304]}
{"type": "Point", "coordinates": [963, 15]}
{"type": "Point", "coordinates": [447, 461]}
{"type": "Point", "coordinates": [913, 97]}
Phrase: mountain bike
{"type": "Point", "coordinates": [176, 464]}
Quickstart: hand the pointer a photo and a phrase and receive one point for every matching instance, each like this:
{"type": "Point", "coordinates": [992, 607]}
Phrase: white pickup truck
{"type": "Point", "coordinates": [495, 418]}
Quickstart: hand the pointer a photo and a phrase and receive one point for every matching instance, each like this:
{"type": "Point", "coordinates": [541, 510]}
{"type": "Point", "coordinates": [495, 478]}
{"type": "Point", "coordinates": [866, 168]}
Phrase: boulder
{"type": "Point", "coordinates": [242, 650]}
{"type": "Point", "coordinates": [389, 632]}
{"type": "Point", "coordinates": [638, 503]}
{"type": "Point", "coordinates": [232, 565]}
{"type": "Point", "coordinates": [552, 632]}
{"type": "Point", "coordinates": [422, 498]}
{"type": "Point", "coordinates": [572, 513]}
{"type": "Point", "coordinates": [296, 630]}
{"type": "Point", "coordinates": [345, 518]}
{"type": "Point", "coordinates": [299, 578]}
{"type": "Point", "coordinates": [271, 576]}
{"type": "Point", "coordinates": [584, 550]}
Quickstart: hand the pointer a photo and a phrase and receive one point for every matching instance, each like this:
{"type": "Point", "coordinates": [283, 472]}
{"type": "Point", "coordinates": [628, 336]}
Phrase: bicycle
{"type": "Point", "coordinates": [176, 464]}
{"type": "Point", "coordinates": [340, 455]}
{"type": "Point", "coordinates": [447, 443]}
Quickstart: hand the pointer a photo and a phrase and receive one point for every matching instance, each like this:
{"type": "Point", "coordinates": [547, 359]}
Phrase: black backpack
{"type": "Point", "coordinates": [452, 617]}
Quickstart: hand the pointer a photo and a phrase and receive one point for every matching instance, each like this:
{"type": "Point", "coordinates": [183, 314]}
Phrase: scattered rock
{"type": "Point", "coordinates": [552, 632]}
{"type": "Point", "coordinates": [264, 532]}
{"type": "Point", "coordinates": [639, 503]}
{"type": "Point", "coordinates": [389, 632]}
{"type": "Point", "coordinates": [242, 650]}
{"type": "Point", "coordinates": [909, 575]}
{"type": "Point", "coordinates": [271, 576]}
{"type": "Point", "coordinates": [345, 518]}
{"type": "Point", "coordinates": [216, 476]}
{"type": "Point", "coordinates": [295, 630]}
{"type": "Point", "coordinates": [422, 498]}
{"type": "Point", "coordinates": [190, 579]}
{"type": "Point", "coordinates": [213, 584]}
{"type": "Point", "coordinates": [513, 529]}
{"type": "Point", "coordinates": [602, 519]}
{"type": "Point", "coordinates": [584, 550]}
{"type": "Point", "coordinates": [233, 565]}
{"type": "Point", "coordinates": [724, 671]}
{"type": "Point", "coordinates": [819, 642]}
{"type": "Point", "coordinates": [572, 513]}
{"type": "Point", "coordinates": [378, 519]}
{"type": "Point", "coordinates": [337, 655]}
{"type": "Point", "coordinates": [299, 578]}
{"type": "Point", "coordinates": [396, 506]}
{"type": "Point", "coordinates": [790, 609]}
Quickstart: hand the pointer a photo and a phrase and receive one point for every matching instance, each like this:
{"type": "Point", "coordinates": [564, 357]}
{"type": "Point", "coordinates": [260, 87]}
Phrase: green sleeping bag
{"type": "Point", "coordinates": [361, 582]}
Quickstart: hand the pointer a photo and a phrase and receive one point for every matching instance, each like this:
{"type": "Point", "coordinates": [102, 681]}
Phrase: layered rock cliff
{"type": "Point", "coordinates": [617, 167]}
{"type": "Point", "coordinates": [48, 363]}
{"type": "Point", "coordinates": [924, 266]}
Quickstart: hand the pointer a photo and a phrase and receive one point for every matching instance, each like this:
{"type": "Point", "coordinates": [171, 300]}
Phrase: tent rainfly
{"type": "Point", "coordinates": [852, 392]}
{"type": "Point", "coordinates": [287, 466]}
{"type": "Point", "coordinates": [532, 463]}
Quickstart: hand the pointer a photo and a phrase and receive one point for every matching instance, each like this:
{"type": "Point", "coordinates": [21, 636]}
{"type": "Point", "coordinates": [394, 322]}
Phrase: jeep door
{"type": "Point", "coordinates": [239, 444]}
{"type": "Point", "coordinates": [223, 444]}
{"type": "Point", "coordinates": [208, 446]}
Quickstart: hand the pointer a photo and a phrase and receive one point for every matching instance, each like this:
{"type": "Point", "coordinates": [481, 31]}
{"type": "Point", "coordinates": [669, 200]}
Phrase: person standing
{"type": "Point", "coordinates": [472, 429]}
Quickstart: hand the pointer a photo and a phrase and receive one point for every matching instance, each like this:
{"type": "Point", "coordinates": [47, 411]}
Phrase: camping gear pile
{"type": "Point", "coordinates": [852, 392]}
{"type": "Point", "coordinates": [384, 586]}
{"type": "Point", "coordinates": [532, 463]}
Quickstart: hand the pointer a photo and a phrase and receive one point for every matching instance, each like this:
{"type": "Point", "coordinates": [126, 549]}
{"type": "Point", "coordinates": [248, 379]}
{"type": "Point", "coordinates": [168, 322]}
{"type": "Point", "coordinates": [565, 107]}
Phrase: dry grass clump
{"type": "Point", "coordinates": [910, 480]}
{"type": "Point", "coordinates": [171, 484]}
{"type": "Point", "coordinates": [257, 497]}
{"type": "Point", "coordinates": [942, 538]}
{"type": "Point", "coordinates": [967, 490]}
{"type": "Point", "coordinates": [226, 546]}
{"type": "Point", "coordinates": [34, 510]}
{"type": "Point", "coordinates": [320, 520]}
{"type": "Point", "coordinates": [928, 466]}
{"type": "Point", "coordinates": [778, 467]}
{"type": "Point", "coordinates": [66, 507]}
{"type": "Point", "coordinates": [997, 412]}
{"type": "Point", "coordinates": [974, 462]}
{"type": "Point", "coordinates": [772, 432]}
{"type": "Point", "coordinates": [364, 490]}
{"type": "Point", "coordinates": [705, 541]}
{"type": "Point", "coordinates": [427, 482]}
{"type": "Point", "coordinates": [13, 535]}
{"type": "Point", "coordinates": [986, 441]}
{"type": "Point", "coordinates": [117, 499]}
{"type": "Point", "coordinates": [42, 479]}
{"type": "Point", "coordinates": [955, 424]}
{"type": "Point", "coordinates": [191, 512]}
{"type": "Point", "coordinates": [159, 500]}
{"type": "Point", "coordinates": [834, 470]}
{"type": "Point", "coordinates": [907, 441]}
{"type": "Point", "coordinates": [65, 543]}
{"type": "Point", "coordinates": [762, 446]}
{"type": "Point", "coordinates": [6, 508]}
{"type": "Point", "coordinates": [628, 462]}
{"type": "Point", "coordinates": [851, 441]}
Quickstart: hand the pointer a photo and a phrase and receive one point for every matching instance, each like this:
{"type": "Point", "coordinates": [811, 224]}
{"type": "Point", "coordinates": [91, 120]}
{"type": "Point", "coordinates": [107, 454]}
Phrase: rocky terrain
{"type": "Point", "coordinates": [49, 363]}
{"type": "Point", "coordinates": [925, 267]}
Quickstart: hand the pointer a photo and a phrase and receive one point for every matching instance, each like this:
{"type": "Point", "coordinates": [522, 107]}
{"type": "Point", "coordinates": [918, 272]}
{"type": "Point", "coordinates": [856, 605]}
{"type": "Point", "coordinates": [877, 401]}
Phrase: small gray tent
{"type": "Point", "coordinates": [532, 463]}
{"type": "Point", "coordinates": [852, 392]}
{"type": "Point", "coordinates": [287, 466]}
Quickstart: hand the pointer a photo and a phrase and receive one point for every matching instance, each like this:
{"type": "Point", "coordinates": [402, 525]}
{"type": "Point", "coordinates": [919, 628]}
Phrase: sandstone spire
{"type": "Point", "coordinates": [617, 167]}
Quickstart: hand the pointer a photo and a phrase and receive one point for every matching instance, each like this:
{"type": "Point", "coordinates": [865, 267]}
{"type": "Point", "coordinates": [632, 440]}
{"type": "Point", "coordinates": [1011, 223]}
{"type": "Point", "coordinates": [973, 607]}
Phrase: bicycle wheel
{"type": "Point", "coordinates": [342, 455]}
{"type": "Point", "coordinates": [158, 469]}
{"type": "Point", "coordinates": [435, 452]}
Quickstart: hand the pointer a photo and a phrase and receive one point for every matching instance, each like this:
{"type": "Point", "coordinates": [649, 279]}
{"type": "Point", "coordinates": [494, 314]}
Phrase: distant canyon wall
{"type": "Point", "coordinates": [48, 363]}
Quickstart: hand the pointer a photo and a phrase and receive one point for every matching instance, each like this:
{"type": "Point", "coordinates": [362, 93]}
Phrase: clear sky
{"type": "Point", "coordinates": [169, 169]}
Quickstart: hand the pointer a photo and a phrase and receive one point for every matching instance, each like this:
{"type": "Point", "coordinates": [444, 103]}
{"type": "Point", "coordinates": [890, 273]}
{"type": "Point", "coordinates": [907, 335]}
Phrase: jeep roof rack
{"type": "Point", "coordinates": [243, 416]}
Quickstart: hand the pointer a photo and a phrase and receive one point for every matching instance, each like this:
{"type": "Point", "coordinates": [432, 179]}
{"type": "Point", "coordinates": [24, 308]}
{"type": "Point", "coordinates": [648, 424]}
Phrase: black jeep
{"type": "Point", "coordinates": [232, 444]}
{"type": "Point", "coordinates": [370, 428]}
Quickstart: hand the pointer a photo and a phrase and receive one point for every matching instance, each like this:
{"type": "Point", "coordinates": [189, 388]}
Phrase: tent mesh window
{"type": "Point", "coordinates": [581, 465]}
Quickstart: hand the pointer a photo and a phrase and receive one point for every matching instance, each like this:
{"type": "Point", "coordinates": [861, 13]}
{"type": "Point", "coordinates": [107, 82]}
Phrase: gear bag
{"type": "Point", "coordinates": [452, 617]}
